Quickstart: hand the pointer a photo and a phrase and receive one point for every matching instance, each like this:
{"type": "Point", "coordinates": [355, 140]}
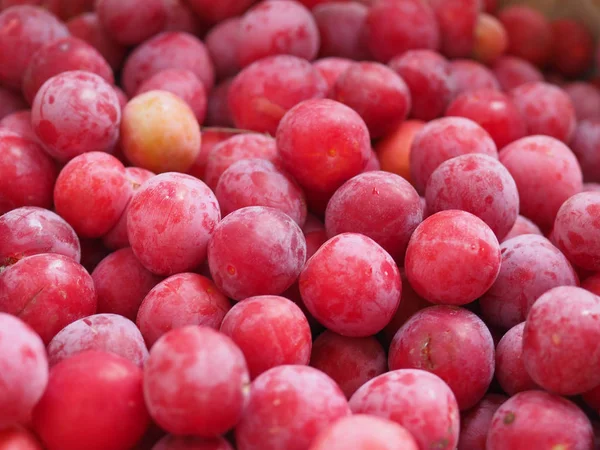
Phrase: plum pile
{"type": "Point", "coordinates": [298, 225]}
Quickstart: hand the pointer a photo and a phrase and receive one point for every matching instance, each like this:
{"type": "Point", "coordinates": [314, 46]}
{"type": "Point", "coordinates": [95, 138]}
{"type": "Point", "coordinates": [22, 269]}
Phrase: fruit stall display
{"type": "Point", "coordinates": [299, 225]}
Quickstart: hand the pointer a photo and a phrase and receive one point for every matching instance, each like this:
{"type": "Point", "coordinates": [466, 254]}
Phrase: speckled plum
{"type": "Point", "coordinates": [362, 431]}
{"type": "Point", "coordinates": [181, 300]}
{"type": "Point", "coordinates": [264, 91]}
{"type": "Point", "coordinates": [23, 372]}
{"type": "Point", "coordinates": [171, 236]}
{"type": "Point", "coordinates": [331, 68]}
{"type": "Point", "coordinates": [394, 27]}
{"type": "Point", "coordinates": [427, 75]}
{"type": "Point", "coordinates": [222, 43]}
{"type": "Point", "coordinates": [531, 265]}
{"type": "Point", "coordinates": [577, 230]}
{"type": "Point", "coordinates": [377, 93]}
{"type": "Point", "coordinates": [31, 230]}
{"type": "Point", "coordinates": [536, 419]}
{"type": "Point", "coordinates": [454, 344]}
{"type": "Point", "coordinates": [211, 11]}
{"type": "Point", "coordinates": [546, 172]}
{"type": "Point", "coordinates": [47, 291]}
{"type": "Point", "coordinates": [380, 205]}
{"type": "Point", "coordinates": [453, 257]}
{"type": "Point", "coordinates": [546, 109]}
{"type": "Point", "coordinates": [22, 161]}
{"type": "Point", "coordinates": [76, 112]}
{"type": "Point", "coordinates": [494, 111]}
{"type": "Point", "coordinates": [559, 338]}
{"type": "Point", "coordinates": [87, 26]}
{"type": "Point", "coordinates": [349, 361]}
{"type": "Point", "coordinates": [132, 22]}
{"type": "Point", "coordinates": [468, 75]}
{"type": "Point", "coordinates": [457, 20]}
{"type": "Point", "coordinates": [271, 331]}
{"type": "Point", "coordinates": [522, 226]}
{"type": "Point", "coordinates": [91, 193]}
{"type": "Point", "coordinates": [475, 423]}
{"type": "Point", "coordinates": [182, 82]}
{"type": "Point", "coordinates": [121, 283]}
{"type": "Point", "coordinates": [341, 27]}
{"type": "Point", "coordinates": [103, 332]}
{"type": "Point", "coordinates": [258, 182]}
{"type": "Point", "coordinates": [510, 369]}
{"type": "Point", "coordinates": [288, 407]}
{"type": "Point", "coordinates": [529, 33]}
{"type": "Point", "coordinates": [415, 399]}
{"type": "Point", "coordinates": [585, 98]}
{"type": "Point", "coordinates": [186, 392]}
{"type": "Point", "coordinates": [351, 285]}
{"type": "Point", "coordinates": [277, 28]}
{"type": "Point", "coordinates": [256, 251]}
{"type": "Point", "coordinates": [94, 400]}
{"type": "Point", "coordinates": [511, 72]}
{"type": "Point", "coordinates": [323, 143]}
{"type": "Point", "coordinates": [586, 146]}
{"type": "Point", "coordinates": [443, 139]}
{"type": "Point", "coordinates": [59, 56]}
{"type": "Point", "coordinates": [117, 237]}
{"type": "Point", "coordinates": [19, 122]}
{"type": "Point", "coordinates": [23, 30]}
{"type": "Point", "coordinates": [168, 50]}
{"type": "Point", "coordinates": [237, 148]}
{"type": "Point", "coordinates": [478, 184]}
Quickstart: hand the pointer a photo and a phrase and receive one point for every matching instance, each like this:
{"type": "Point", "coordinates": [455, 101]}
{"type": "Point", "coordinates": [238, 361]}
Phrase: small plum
{"type": "Point", "coordinates": [351, 285]}
{"type": "Point", "coordinates": [180, 300]}
{"type": "Point", "coordinates": [76, 112]}
{"type": "Point", "coordinates": [91, 193]}
{"type": "Point", "coordinates": [576, 230]}
{"type": "Point", "coordinates": [417, 400]}
{"type": "Point", "coordinates": [558, 349]}
{"type": "Point", "coordinates": [323, 143]}
{"type": "Point", "coordinates": [47, 291]}
{"type": "Point", "coordinates": [262, 93]}
{"type": "Point", "coordinates": [23, 374]}
{"type": "Point", "coordinates": [475, 423]}
{"type": "Point", "coordinates": [349, 361]}
{"type": "Point", "coordinates": [104, 332]}
{"type": "Point", "coordinates": [531, 266]}
{"type": "Point", "coordinates": [186, 392]}
{"type": "Point", "coordinates": [183, 83]}
{"type": "Point", "coordinates": [454, 344]}
{"type": "Point", "coordinates": [95, 401]}
{"type": "Point", "coordinates": [256, 250]}
{"type": "Point", "coordinates": [171, 236]}
{"type": "Point", "coordinates": [121, 283]}
{"type": "Point", "coordinates": [536, 419]}
{"type": "Point", "coordinates": [443, 139]}
{"type": "Point", "coordinates": [277, 28]}
{"type": "Point", "coordinates": [288, 407]}
{"type": "Point", "coordinates": [31, 230]}
{"type": "Point", "coordinates": [510, 369]}
{"type": "Point", "coordinates": [160, 132]}
{"type": "Point", "coordinates": [271, 331]}
{"type": "Point", "coordinates": [453, 258]}
{"type": "Point", "coordinates": [362, 431]}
